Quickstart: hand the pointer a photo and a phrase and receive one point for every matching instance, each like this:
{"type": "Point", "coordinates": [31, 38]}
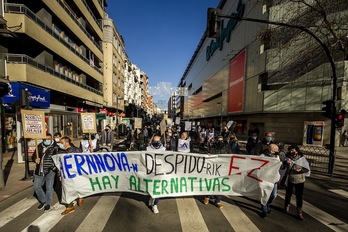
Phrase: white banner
{"type": "Point", "coordinates": [166, 174]}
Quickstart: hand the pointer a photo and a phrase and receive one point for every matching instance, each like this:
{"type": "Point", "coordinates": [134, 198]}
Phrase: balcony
{"type": "Point", "coordinates": [23, 59]}
{"type": "Point", "coordinates": [22, 9]}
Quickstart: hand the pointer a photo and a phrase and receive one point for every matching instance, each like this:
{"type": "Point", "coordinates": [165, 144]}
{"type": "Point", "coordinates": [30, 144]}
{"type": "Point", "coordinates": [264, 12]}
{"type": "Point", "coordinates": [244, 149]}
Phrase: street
{"type": "Point", "coordinates": [325, 202]}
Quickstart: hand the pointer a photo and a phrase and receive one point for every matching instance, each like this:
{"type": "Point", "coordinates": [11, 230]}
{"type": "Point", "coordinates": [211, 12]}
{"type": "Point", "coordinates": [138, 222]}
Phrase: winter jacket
{"type": "Point", "coordinates": [45, 154]}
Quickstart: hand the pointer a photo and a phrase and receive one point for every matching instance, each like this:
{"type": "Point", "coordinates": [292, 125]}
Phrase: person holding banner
{"type": "Point", "coordinates": [70, 148]}
{"type": "Point", "coordinates": [297, 168]}
{"type": "Point", "coordinates": [155, 145]}
{"type": "Point", "coordinates": [45, 171]}
{"type": "Point", "coordinates": [271, 151]}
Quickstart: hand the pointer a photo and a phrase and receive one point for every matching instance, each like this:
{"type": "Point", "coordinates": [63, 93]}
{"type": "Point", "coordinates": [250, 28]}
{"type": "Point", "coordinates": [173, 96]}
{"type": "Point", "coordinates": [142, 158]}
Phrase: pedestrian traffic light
{"type": "Point", "coordinates": [327, 108]}
{"type": "Point", "coordinates": [213, 22]}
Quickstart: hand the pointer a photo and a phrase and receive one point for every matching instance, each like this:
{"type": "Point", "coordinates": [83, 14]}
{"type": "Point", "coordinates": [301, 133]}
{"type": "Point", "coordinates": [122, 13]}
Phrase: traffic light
{"type": "Point", "coordinates": [339, 120]}
{"type": "Point", "coordinates": [25, 99]}
{"type": "Point", "coordinates": [327, 108]}
{"type": "Point", "coordinates": [213, 22]}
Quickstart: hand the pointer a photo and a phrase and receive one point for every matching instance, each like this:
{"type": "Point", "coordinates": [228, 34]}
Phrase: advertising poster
{"type": "Point", "coordinates": [236, 83]}
{"type": "Point", "coordinates": [313, 133]}
{"type": "Point", "coordinates": [33, 124]}
{"type": "Point", "coordinates": [88, 123]}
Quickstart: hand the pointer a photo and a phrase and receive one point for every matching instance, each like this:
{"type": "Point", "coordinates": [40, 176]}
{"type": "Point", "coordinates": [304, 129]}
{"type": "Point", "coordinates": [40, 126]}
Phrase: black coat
{"type": "Point", "coordinates": [45, 157]}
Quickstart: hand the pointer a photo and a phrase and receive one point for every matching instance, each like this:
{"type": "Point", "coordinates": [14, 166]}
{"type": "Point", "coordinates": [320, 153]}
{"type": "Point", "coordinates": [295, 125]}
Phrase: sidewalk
{"type": "Point", "coordinates": [14, 173]}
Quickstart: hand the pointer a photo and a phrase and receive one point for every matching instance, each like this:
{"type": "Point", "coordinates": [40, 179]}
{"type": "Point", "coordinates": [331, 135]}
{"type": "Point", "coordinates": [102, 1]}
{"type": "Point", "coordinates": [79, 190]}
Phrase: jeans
{"type": "Point", "coordinates": [39, 181]}
{"type": "Point", "coordinates": [266, 208]}
{"type": "Point", "coordinates": [217, 198]}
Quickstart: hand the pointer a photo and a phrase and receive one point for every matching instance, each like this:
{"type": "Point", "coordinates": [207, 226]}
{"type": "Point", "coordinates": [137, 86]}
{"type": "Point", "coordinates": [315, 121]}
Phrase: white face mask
{"type": "Point", "coordinates": [57, 140]}
{"type": "Point", "coordinates": [61, 146]}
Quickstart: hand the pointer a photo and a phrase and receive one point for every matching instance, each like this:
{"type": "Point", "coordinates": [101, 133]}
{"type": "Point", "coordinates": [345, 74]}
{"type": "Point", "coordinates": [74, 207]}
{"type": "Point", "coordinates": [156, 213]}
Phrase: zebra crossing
{"type": "Point", "coordinates": [127, 211]}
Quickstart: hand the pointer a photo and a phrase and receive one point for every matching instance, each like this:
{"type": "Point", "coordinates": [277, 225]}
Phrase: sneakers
{"type": "Point", "coordinates": [41, 206]}
{"type": "Point", "coordinates": [219, 205]}
{"type": "Point", "coordinates": [155, 209]}
{"type": "Point", "coordinates": [151, 201]}
{"type": "Point", "coordinates": [68, 210]}
{"type": "Point", "coordinates": [80, 201]}
{"type": "Point", "coordinates": [206, 201]}
{"type": "Point", "coordinates": [47, 208]}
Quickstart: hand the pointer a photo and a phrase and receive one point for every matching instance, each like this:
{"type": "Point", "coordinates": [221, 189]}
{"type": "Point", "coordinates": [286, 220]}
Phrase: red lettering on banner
{"type": "Point", "coordinates": [234, 167]}
{"type": "Point", "coordinates": [264, 162]}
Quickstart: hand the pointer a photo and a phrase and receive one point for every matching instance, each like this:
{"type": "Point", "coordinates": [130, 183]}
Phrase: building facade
{"type": "Point", "coordinates": [261, 81]}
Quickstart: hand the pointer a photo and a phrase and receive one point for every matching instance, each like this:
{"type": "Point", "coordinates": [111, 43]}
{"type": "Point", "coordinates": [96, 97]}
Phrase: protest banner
{"type": "Point", "coordinates": [88, 123]}
{"type": "Point", "coordinates": [138, 123]}
{"type": "Point", "coordinates": [188, 126]}
{"type": "Point", "coordinates": [33, 124]}
{"type": "Point", "coordinates": [177, 120]}
{"type": "Point", "coordinates": [163, 126]}
{"type": "Point", "coordinates": [166, 174]}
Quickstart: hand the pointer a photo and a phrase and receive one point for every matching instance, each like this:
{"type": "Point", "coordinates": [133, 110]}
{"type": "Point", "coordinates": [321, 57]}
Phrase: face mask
{"type": "Point", "coordinates": [106, 130]}
{"type": "Point", "coordinates": [254, 137]}
{"type": "Point", "coordinates": [269, 139]}
{"type": "Point", "coordinates": [86, 136]}
{"type": "Point", "coordinates": [156, 144]}
{"type": "Point", "coordinates": [61, 146]}
{"type": "Point", "coordinates": [47, 142]}
{"type": "Point", "coordinates": [170, 134]}
{"type": "Point", "coordinates": [57, 140]}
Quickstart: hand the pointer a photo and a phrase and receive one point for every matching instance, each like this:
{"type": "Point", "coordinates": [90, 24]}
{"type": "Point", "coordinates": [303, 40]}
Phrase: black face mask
{"type": "Point", "coordinates": [156, 144]}
{"type": "Point", "coordinates": [220, 144]}
{"type": "Point", "coordinates": [86, 137]}
{"type": "Point", "coordinates": [106, 130]}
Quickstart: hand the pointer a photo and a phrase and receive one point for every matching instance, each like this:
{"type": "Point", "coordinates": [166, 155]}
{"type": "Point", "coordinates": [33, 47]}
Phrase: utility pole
{"type": "Point", "coordinates": [215, 14]}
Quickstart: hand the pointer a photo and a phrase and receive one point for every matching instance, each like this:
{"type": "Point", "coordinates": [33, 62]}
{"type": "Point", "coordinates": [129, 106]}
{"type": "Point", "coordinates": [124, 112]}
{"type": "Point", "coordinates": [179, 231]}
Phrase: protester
{"type": "Point", "coordinates": [146, 134]}
{"type": "Point", "coordinates": [89, 145]}
{"type": "Point", "coordinates": [251, 143]}
{"type": "Point", "coordinates": [139, 138]}
{"type": "Point", "coordinates": [70, 148]}
{"type": "Point", "coordinates": [271, 151]}
{"type": "Point", "coordinates": [128, 140]}
{"type": "Point", "coordinates": [296, 167]}
{"type": "Point", "coordinates": [45, 171]}
{"type": "Point", "coordinates": [155, 145]}
{"type": "Point", "coordinates": [169, 141]}
{"type": "Point", "coordinates": [233, 144]}
{"type": "Point", "coordinates": [263, 144]}
{"type": "Point", "coordinates": [185, 143]}
{"type": "Point", "coordinates": [107, 136]}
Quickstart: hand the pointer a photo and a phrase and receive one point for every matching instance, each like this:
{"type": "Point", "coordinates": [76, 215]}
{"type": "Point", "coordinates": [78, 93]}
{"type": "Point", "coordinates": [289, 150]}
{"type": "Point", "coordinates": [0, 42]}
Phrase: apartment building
{"type": "Point", "coordinates": [58, 57]}
{"type": "Point", "coordinates": [114, 71]}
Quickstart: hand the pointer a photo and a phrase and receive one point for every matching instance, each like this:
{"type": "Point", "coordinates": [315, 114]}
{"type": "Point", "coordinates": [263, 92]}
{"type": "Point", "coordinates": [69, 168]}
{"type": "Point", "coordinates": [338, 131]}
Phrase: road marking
{"type": "Point", "coordinates": [323, 217]}
{"type": "Point", "coordinates": [190, 217]}
{"type": "Point", "coordinates": [17, 209]}
{"type": "Point", "coordinates": [242, 222]}
{"type": "Point", "coordinates": [47, 220]}
{"type": "Point", "coordinates": [99, 215]}
{"type": "Point", "coordinates": [340, 192]}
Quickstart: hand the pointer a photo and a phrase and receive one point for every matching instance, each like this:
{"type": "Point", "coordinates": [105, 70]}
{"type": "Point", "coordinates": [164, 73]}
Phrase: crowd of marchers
{"type": "Point", "coordinates": [290, 176]}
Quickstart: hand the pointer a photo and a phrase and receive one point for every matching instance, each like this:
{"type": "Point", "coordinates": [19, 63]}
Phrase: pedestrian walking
{"type": "Point", "coordinates": [45, 171]}
{"type": "Point", "coordinates": [271, 151]}
{"type": "Point", "coordinates": [155, 145]}
{"type": "Point", "coordinates": [70, 148]}
{"type": "Point", "coordinates": [296, 169]}
{"type": "Point", "coordinates": [107, 136]}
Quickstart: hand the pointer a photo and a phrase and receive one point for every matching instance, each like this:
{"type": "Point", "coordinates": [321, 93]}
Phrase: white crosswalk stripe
{"type": "Point", "coordinates": [325, 218]}
{"type": "Point", "coordinates": [190, 217]}
{"type": "Point", "coordinates": [15, 210]}
{"type": "Point", "coordinates": [100, 213]}
{"type": "Point", "coordinates": [340, 192]}
{"type": "Point", "coordinates": [241, 223]}
{"type": "Point", "coordinates": [48, 220]}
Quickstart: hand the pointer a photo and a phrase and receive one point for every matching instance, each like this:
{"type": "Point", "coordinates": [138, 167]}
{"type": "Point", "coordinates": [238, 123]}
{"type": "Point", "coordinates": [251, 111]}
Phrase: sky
{"type": "Point", "coordinates": [160, 36]}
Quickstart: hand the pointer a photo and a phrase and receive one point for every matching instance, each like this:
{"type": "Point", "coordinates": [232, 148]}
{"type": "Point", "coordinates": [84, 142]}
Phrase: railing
{"type": "Point", "coordinates": [92, 14]}
{"type": "Point", "coordinates": [23, 59]}
{"type": "Point", "coordinates": [67, 10]}
{"type": "Point", "coordinates": [22, 9]}
{"type": "Point", "coordinates": [318, 157]}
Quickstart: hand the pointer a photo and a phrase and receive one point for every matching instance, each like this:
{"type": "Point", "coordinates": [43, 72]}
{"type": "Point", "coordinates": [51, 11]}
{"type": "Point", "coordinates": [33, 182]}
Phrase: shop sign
{"type": "Point", "coordinates": [39, 97]}
{"type": "Point", "coordinates": [225, 33]}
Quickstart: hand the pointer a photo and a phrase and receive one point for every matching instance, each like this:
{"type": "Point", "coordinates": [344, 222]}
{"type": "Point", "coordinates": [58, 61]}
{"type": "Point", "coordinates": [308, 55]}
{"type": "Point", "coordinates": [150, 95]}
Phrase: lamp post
{"type": "Point", "coordinates": [217, 15]}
